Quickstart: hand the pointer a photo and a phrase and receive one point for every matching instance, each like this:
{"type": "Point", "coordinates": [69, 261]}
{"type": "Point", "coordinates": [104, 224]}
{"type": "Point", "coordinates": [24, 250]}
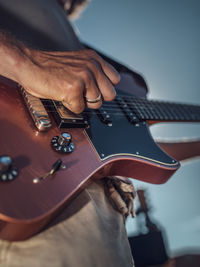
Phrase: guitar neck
{"type": "Point", "coordinates": [135, 109]}
{"type": "Point", "coordinates": [163, 111]}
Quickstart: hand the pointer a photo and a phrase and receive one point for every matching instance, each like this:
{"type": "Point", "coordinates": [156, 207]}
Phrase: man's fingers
{"type": "Point", "coordinates": [94, 101]}
{"type": "Point", "coordinates": [92, 93]}
{"type": "Point", "coordinates": [103, 83]}
{"type": "Point", "coordinates": [76, 106]}
{"type": "Point", "coordinates": [110, 72]}
{"type": "Point", "coordinates": [108, 69]}
{"type": "Point", "coordinates": [73, 98]}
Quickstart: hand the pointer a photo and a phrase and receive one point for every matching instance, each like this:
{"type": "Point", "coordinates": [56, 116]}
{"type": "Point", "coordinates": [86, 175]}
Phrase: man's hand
{"type": "Point", "coordinates": [70, 77]}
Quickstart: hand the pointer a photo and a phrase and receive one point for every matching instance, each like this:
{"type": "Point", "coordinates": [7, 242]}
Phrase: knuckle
{"type": "Point", "coordinates": [78, 109]}
{"type": "Point", "coordinates": [94, 67]}
{"type": "Point", "coordinates": [86, 75]}
{"type": "Point", "coordinates": [91, 53]}
{"type": "Point", "coordinates": [93, 57]}
{"type": "Point", "coordinates": [93, 64]}
{"type": "Point", "coordinates": [75, 106]}
{"type": "Point", "coordinates": [77, 83]}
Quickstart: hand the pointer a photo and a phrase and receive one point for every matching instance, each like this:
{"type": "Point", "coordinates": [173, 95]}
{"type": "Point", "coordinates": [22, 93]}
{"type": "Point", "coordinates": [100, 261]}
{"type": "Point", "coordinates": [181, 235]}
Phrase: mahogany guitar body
{"type": "Point", "coordinates": [122, 148]}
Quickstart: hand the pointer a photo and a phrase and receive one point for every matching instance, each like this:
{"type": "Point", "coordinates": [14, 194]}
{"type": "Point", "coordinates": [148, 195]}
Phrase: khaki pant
{"type": "Point", "coordinates": [89, 233]}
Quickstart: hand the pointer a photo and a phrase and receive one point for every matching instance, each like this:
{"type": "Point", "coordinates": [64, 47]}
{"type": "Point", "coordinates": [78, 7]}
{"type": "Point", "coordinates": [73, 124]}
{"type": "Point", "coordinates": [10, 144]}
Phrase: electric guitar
{"type": "Point", "coordinates": [48, 154]}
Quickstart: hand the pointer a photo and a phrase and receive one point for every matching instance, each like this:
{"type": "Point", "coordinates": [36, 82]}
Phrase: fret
{"type": "Point", "coordinates": [162, 111]}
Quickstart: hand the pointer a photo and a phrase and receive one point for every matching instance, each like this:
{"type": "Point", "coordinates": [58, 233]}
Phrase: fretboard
{"type": "Point", "coordinates": [159, 110]}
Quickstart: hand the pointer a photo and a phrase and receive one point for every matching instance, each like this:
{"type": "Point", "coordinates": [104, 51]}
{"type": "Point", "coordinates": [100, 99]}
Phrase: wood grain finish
{"type": "Point", "coordinates": [25, 207]}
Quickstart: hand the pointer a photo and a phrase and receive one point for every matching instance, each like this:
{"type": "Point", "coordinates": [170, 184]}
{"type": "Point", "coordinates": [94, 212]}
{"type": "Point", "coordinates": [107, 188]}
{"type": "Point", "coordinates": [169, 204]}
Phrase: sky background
{"type": "Point", "coordinates": [160, 39]}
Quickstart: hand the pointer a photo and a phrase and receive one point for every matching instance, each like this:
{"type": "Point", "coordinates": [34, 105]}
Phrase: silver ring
{"type": "Point", "coordinates": [93, 100]}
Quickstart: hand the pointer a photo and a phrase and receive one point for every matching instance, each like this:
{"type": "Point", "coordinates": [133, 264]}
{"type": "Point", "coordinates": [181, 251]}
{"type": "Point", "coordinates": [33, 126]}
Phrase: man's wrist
{"type": "Point", "coordinates": [13, 58]}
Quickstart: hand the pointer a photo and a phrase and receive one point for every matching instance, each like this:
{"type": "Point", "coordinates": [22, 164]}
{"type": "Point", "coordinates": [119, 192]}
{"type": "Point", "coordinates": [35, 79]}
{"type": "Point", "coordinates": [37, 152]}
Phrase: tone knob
{"type": "Point", "coordinates": [7, 171]}
{"type": "Point", "coordinates": [64, 139]}
{"type": "Point", "coordinates": [5, 164]}
{"type": "Point", "coordinates": [63, 143]}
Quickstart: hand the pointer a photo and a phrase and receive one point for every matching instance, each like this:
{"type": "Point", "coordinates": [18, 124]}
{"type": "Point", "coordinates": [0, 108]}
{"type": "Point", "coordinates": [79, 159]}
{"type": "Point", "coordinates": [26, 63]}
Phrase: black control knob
{"type": "Point", "coordinates": [5, 164]}
{"type": "Point", "coordinates": [64, 139]}
{"type": "Point", "coordinates": [7, 171]}
{"type": "Point", "coordinates": [63, 143]}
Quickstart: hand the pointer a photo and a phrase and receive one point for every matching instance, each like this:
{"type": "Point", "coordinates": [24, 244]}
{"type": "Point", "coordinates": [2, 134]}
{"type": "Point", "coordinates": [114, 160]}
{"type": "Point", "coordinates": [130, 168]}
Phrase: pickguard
{"type": "Point", "coordinates": [125, 138]}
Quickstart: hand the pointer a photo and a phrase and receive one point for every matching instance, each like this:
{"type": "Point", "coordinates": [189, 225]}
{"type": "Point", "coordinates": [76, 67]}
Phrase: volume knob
{"type": "Point", "coordinates": [63, 143]}
{"type": "Point", "coordinates": [7, 172]}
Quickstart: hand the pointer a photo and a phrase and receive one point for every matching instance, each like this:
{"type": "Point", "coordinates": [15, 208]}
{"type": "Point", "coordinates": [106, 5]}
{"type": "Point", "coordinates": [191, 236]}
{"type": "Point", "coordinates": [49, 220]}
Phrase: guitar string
{"type": "Point", "coordinates": [133, 116]}
{"type": "Point", "coordinates": [131, 106]}
{"type": "Point", "coordinates": [143, 100]}
{"type": "Point", "coordinates": [135, 101]}
{"type": "Point", "coordinates": [144, 115]}
{"type": "Point", "coordinates": [116, 107]}
{"type": "Point", "coordinates": [140, 102]}
{"type": "Point", "coordinates": [138, 105]}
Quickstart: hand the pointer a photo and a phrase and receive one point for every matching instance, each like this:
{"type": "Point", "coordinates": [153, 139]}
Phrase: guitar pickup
{"type": "Point", "coordinates": [37, 111]}
{"type": "Point", "coordinates": [65, 118]}
{"type": "Point", "coordinates": [131, 116]}
{"type": "Point", "coordinates": [104, 116]}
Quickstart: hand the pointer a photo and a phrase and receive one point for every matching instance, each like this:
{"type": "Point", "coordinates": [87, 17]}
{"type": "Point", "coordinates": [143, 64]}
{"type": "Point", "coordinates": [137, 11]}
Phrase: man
{"type": "Point", "coordinates": [40, 51]}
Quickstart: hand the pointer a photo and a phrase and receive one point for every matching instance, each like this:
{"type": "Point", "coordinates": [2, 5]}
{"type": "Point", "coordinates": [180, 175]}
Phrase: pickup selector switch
{"type": "Point", "coordinates": [7, 171]}
{"type": "Point", "coordinates": [63, 143]}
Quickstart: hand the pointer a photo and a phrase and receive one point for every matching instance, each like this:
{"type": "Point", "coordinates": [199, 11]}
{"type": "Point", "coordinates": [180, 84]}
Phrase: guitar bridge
{"type": "Point", "coordinates": [37, 111]}
{"type": "Point", "coordinates": [65, 118]}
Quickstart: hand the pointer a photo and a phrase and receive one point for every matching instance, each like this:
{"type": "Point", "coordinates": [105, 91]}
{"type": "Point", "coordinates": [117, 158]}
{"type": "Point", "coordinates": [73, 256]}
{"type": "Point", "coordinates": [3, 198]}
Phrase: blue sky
{"type": "Point", "coordinates": [161, 40]}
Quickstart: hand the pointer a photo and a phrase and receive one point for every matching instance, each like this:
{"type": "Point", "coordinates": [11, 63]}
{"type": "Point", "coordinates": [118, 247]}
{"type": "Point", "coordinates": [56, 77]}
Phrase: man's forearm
{"type": "Point", "coordinates": [12, 56]}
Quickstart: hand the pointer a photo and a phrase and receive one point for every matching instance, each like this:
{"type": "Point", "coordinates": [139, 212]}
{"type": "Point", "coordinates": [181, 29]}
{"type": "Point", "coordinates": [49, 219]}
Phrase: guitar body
{"type": "Point", "coordinates": [100, 150]}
